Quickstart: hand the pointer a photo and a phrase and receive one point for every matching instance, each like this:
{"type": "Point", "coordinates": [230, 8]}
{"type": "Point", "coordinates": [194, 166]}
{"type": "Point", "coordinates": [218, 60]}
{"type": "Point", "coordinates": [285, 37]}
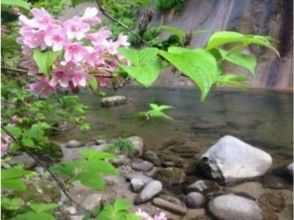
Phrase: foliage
{"type": "Point", "coordinates": [156, 111]}
{"type": "Point", "coordinates": [12, 178]}
{"type": "Point", "coordinates": [52, 6]}
{"type": "Point", "coordinates": [18, 3]}
{"type": "Point", "coordinates": [121, 146]}
{"type": "Point", "coordinates": [167, 5]}
{"type": "Point", "coordinates": [118, 210]}
{"type": "Point", "coordinates": [38, 211]}
{"type": "Point", "coordinates": [89, 170]}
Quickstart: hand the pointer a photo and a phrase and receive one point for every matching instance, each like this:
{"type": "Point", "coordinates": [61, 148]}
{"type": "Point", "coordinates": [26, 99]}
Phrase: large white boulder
{"type": "Point", "coordinates": [231, 159]}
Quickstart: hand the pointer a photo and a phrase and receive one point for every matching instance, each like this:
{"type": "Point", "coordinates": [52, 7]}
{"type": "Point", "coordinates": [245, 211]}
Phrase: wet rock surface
{"type": "Point", "coordinates": [169, 206]}
{"type": "Point", "coordinates": [142, 166]}
{"type": "Point", "coordinates": [232, 207]}
{"type": "Point", "coordinates": [170, 176]}
{"type": "Point", "coordinates": [204, 186]}
{"type": "Point", "coordinates": [113, 101]}
{"type": "Point", "coordinates": [194, 200]}
{"type": "Point", "coordinates": [231, 159]}
{"type": "Point", "coordinates": [150, 190]}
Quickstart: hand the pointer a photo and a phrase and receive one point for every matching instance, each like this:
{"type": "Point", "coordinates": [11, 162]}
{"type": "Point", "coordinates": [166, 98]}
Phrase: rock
{"type": "Point", "coordinates": [231, 159]}
{"type": "Point", "coordinates": [152, 157]}
{"type": "Point", "coordinates": [126, 171]}
{"type": "Point", "coordinates": [120, 160]}
{"type": "Point", "coordinates": [169, 206]}
{"type": "Point", "coordinates": [42, 172]}
{"type": "Point", "coordinates": [92, 201]}
{"type": "Point", "coordinates": [71, 210]}
{"type": "Point", "coordinates": [144, 178]}
{"type": "Point", "coordinates": [170, 176]}
{"type": "Point", "coordinates": [254, 189]}
{"type": "Point", "coordinates": [232, 207]}
{"type": "Point", "coordinates": [24, 159]}
{"type": "Point", "coordinates": [138, 144]}
{"type": "Point", "coordinates": [77, 217]}
{"type": "Point", "coordinates": [195, 214]}
{"type": "Point", "coordinates": [290, 170]}
{"type": "Point", "coordinates": [170, 160]}
{"type": "Point", "coordinates": [100, 141]}
{"type": "Point", "coordinates": [171, 199]}
{"type": "Point", "coordinates": [275, 200]}
{"type": "Point", "coordinates": [73, 144]}
{"type": "Point", "coordinates": [273, 182]}
{"type": "Point", "coordinates": [137, 184]}
{"type": "Point", "coordinates": [194, 200]}
{"type": "Point", "coordinates": [113, 180]}
{"type": "Point", "coordinates": [113, 101]}
{"type": "Point", "coordinates": [150, 190]}
{"type": "Point", "coordinates": [204, 186]}
{"type": "Point", "coordinates": [142, 166]}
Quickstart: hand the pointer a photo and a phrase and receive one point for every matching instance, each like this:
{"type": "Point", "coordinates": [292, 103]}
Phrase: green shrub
{"type": "Point", "coordinates": [121, 146]}
{"type": "Point", "coordinates": [167, 5]}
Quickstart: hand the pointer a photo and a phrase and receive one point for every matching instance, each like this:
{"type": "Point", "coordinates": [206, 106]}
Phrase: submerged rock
{"type": "Point", "coordinates": [113, 101]}
{"type": "Point", "coordinates": [73, 144]}
{"type": "Point", "coordinates": [170, 176]}
{"type": "Point", "coordinates": [231, 159]}
{"type": "Point", "coordinates": [150, 190]}
{"type": "Point", "coordinates": [152, 157]}
{"type": "Point", "coordinates": [204, 186]}
{"type": "Point", "coordinates": [169, 206]}
{"type": "Point", "coordinates": [142, 166]}
{"type": "Point", "coordinates": [232, 207]}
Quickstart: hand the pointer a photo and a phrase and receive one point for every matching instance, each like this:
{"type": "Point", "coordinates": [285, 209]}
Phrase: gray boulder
{"type": "Point", "coordinates": [137, 184]}
{"type": "Point", "coordinates": [142, 166]}
{"type": "Point", "coordinates": [204, 186]}
{"type": "Point", "coordinates": [113, 101]}
{"type": "Point", "coordinates": [24, 159]}
{"type": "Point", "coordinates": [73, 144]}
{"type": "Point", "coordinates": [169, 206]}
{"type": "Point", "coordinates": [231, 159]}
{"type": "Point", "coordinates": [150, 190]}
{"type": "Point", "coordinates": [152, 157]}
{"type": "Point", "coordinates": [290, 169]}
{"type": "Point", "coordinates": [232, 207]}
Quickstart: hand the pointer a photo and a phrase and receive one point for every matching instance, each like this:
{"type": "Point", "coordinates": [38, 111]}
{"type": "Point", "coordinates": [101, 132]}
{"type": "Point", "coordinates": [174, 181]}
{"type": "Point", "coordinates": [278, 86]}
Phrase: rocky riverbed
{"type": "Point", "coordinates": [231, 180]}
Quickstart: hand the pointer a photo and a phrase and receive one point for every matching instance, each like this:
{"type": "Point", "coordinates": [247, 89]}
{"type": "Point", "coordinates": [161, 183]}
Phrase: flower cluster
{"type": "Point", "coordinates": [84, 50]}
{"type": "Point", "coordinates": [145, 216]}
{"type": "Point", "coordinates": [5, 142]}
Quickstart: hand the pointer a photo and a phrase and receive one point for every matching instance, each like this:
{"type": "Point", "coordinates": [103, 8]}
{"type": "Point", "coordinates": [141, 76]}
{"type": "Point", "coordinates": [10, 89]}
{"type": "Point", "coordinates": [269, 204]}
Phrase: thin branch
{"type": "Point", "coordinates": [101, 8]}
{"type": "Point", "coordinates": [40, 163]}
{"type": "Point", "coordinates": [14, 69]}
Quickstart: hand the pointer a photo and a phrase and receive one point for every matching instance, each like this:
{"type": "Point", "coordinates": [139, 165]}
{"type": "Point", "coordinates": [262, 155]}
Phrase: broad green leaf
{"type": "Point", "coordinates": [246, 61]}
{"type": "Point", "coordinates": [198, 64]}
{"type": "Point", "coordinates": [139, 57]}
{"type": "Point", "coordinates": [15, 131]}
{"type": "Point", "coordinates": [92, 81]}
{"type": "Point", "coordinates": [45, 59]}
{"type": "Point", "coordinates": [99, 166]}
{"type": "Point", "coordinates": [15, 184]}
{"type": "Point", "coordinates": [226, 37]}
{"type": "Point", "coordinates": [121, 204]}
{"type": "Point", "coordinates": [34, 216]}
{"type": "Point", "coordinates": [19, 3]}
{"type": "Point", "coordinates": [12, 204]}
{"type": "Point", "coordinates": [174, 30]}
{"type": "Point", "coordinates": [231, 80]}
{"type": "Point", "coordinates": [14, 172]}
{"type": "Point", "coordinates": [91, 179]}
{"type": "Point", "coordinates": [145, 74]}
{"type": "Point", "coordinates": [159, 107]}
{"type": "Point", "coordinates": [28, 142]}
{"type": "Point", "coordinates": [91, 154]}
{"type": "Point", "coordinates": [43, 207]}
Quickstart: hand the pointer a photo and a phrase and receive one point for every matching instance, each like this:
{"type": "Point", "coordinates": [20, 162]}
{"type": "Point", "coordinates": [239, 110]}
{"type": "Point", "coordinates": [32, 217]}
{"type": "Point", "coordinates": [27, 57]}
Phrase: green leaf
{"type": "Point", "coordinates": [15, 131]}
{"type": "Point", "coordinates": [91, 179]}
{"type": "Point", "coordinates": [11, 178]}
{"type": "Point", "coordinates": [198, 64]}
{"type": "Point", "coordinates": [45, 59]}
{"type": "Point", "coordinates": [34, 216]}
{"type": "Point", "coordinates": [12, 204]}
{"type": "Point", "coordinates": [246, 61]}
{"type": "Point", "coordinates": [43, 207]}
{"type": "Point", "coordinates": [91, 154]}
{"type": "Point", "coordinates": [121, 204]}
{"type": "Point", "coordinates": [231, 80]}
{"type": "Point", "coordinates": [159, 107]}
{"type": "Point", "coordinates": [19, 3]}
{"type": "Point", "coordinates": [174, 30]}
{"type": "Point", "coordinates": [92, 81]}
{"type": "Point", "coordinates": [226, 37]}
{"type": "Point", "coordinates": [15, 184]}
{"type": "Point", "coordinates": [145, 64]}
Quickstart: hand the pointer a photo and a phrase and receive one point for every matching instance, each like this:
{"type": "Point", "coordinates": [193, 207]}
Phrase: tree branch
{"type": "Point", "coordinates": [14, 69]}
{"type": "Point", "coordinates": [101, 8]}
{"type": "Point", "coordinates": [40, 163]}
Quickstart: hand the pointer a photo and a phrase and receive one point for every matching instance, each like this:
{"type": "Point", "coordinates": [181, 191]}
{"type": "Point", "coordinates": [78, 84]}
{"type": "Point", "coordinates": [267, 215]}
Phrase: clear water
{"type": "Point", "coordinates": [263, 119]}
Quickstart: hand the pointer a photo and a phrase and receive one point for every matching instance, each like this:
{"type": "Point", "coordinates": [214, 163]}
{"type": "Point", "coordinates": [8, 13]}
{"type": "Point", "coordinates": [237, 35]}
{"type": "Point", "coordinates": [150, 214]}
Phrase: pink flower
{"type": "Point", "coordinates": [161, 216]}
{"type": "Point", "coordinates": [5, 142]}
{"type": "Point", "coordinates": [79, 78]}
{"type": "Point", "coordinates": [145, 216]}
{"type": "Point", "coordinates": [90, 16]}
{"type": "Point", "coordinates": [105, 81]}
{"type": "Point", "coordinates": [42, 87]}
{"type": "Point", "coordinates": [99, 37]}
{"type": "Point", "coordinates": [60, 77]}
{"type": "Point", "coordinates": [15, 119]}
{"type": "Point", "coordinates": [55, 38]}
{"type": "Point", "coordinates": [74, 52]}
{"type": "Point", "coordinates": [32, 38]}
{"type": "Point", "coordinates": [76, 28]}
{"type": "Point", "coordinates": [122, 40]}
{"type": "Point", "coordinates": [42, 17]}
{"type": "Point", "coordinates": [31, 66]}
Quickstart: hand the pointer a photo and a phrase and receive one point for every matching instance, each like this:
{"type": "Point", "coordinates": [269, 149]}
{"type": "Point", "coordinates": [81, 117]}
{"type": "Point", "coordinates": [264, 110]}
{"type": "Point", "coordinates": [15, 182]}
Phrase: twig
{"type": "Point", "coordinates": [39, 162]}
{"type": "Point", "coordinates": [14, 69]}
{"type": "Point", "coordinates": [101, 8]}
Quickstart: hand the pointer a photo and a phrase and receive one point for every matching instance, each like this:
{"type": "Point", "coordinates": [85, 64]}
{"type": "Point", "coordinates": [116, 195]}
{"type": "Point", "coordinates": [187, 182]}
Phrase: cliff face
{"type": "Point", "coordinates": [264, 17]}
